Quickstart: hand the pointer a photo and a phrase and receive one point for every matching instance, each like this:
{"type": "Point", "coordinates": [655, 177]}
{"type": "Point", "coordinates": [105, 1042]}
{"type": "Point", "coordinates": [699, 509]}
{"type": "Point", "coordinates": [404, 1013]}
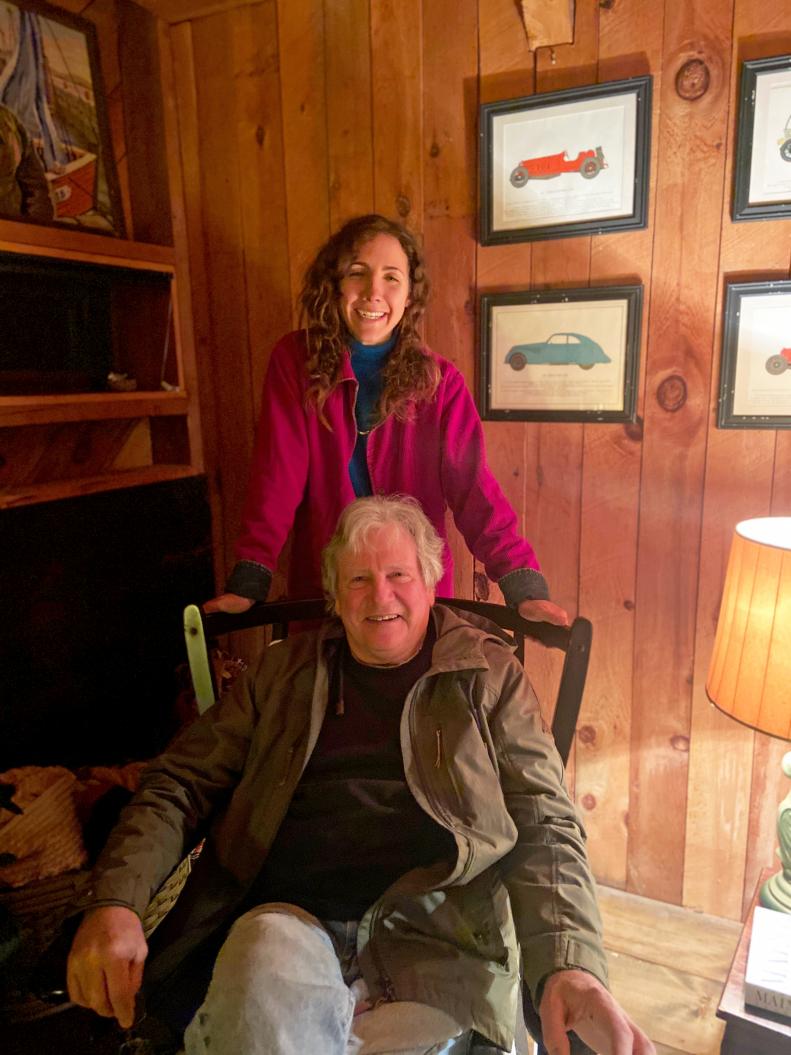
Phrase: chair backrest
{"type": "Point", "coordinates": [574, 641]}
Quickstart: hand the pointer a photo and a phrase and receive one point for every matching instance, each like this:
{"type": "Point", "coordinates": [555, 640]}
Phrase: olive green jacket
{"type": "Point", "coordinates": [477, 757]}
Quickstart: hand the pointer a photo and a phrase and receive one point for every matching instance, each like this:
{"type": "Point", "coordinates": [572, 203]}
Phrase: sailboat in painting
{"type": "Point", "coordinates": [47, 82]}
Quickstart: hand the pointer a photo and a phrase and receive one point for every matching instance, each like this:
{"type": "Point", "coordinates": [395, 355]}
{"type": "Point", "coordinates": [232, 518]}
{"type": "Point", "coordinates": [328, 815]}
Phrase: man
{"type": "Point", "coordinates": [24, 190]}
{"type": "Point", "coordinates": [390, 776]}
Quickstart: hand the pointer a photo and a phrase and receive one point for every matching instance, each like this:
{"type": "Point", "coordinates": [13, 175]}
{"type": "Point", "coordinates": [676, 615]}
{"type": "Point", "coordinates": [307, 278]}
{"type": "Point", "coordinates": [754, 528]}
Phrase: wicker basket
{"type": "Point", "coordinates": [45, 839]}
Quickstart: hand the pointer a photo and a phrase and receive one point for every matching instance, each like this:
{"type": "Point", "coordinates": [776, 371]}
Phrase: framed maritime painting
{"type": "Point", "coordinates": [566, 163]}
{"type": "Point", "coordinates": [560, 355]}
{"type": "Point", "coordinates": [56, 161]}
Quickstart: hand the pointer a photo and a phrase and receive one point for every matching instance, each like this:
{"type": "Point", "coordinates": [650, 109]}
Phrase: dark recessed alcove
{"type": "Point", "coordinates": [65, 326]}
{"type": "Point", "coordinates": [92, 592]}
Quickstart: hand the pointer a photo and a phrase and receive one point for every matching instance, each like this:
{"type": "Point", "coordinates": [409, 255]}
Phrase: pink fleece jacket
{"type": "Point", "coordinates": [300, 477]}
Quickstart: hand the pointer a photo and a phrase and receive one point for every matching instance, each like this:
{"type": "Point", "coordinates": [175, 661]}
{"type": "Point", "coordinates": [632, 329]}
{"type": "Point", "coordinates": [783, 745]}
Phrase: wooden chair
{"type": "Point", "coordinates": [574, 641]}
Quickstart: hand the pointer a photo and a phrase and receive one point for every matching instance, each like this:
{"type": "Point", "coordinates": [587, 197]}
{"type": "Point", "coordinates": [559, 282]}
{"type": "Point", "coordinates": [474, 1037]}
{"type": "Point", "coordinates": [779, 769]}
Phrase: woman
{"type": "Point", "coordinates": [355, 404]}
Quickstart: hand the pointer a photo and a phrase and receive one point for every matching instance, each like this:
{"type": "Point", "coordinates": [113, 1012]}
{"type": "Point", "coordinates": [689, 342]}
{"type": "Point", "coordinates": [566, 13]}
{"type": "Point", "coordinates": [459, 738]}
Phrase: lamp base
{"type": "Point", "coordinates": [776, 893]}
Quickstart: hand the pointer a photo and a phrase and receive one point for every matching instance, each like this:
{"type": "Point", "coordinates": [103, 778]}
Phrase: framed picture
{"type": "Point", "coordinates": [755, 375]}
{"type": "Point", "coordinates": [56, 161]}
{"type": "Point", "coordinates": [762, 180]}
{"type": "Point", "coordinates": [565, 163]}
{"type": "Point", "coordinates": [560, 355]}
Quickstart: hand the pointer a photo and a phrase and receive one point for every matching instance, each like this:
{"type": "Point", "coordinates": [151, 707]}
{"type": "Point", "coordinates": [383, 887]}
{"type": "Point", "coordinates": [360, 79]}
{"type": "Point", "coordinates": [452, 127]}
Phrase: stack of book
{"type": "Point", "coordinates": [767, 982]}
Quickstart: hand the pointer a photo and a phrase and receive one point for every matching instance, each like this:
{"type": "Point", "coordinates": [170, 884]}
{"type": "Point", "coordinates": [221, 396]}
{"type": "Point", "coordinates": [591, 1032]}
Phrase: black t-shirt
{"type": "Point", "coordinates": [353, 826]}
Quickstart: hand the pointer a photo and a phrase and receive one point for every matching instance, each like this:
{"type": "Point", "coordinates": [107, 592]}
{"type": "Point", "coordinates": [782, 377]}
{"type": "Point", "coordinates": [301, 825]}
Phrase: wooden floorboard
{"type": "Point", "coordinates": [668, 935]}
{"type": "Point", "coordinates": [667, 968]}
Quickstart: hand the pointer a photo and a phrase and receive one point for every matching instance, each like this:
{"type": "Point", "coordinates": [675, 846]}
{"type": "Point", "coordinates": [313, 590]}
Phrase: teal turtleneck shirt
{"type": "Point", "coordinates": [367, 361]}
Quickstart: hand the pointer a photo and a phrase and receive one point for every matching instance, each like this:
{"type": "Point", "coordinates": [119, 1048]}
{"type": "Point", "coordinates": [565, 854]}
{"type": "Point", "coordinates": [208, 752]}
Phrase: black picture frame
{"type": "Point", "coordinates": [755, 368]}
{"type": "Point", "coordinates": [532, 188]}
{"type": "Point", "coordinates": [558, 380]}
{"type": "Point", "coordinates": [53, 109]}
{"type": "Point", "coordinates": [762, 165]}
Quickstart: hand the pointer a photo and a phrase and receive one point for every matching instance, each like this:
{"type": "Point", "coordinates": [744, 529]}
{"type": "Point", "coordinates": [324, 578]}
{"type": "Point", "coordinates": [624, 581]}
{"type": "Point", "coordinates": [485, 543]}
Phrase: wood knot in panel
{"type": "Point", "coordinates": [434, 149]}
{"type": "Point", "coordinates": [403, 206]}
{"type": "Point", "coordinates": [680, 743]}
{"type": "Point", "coordinates": [588, 801]}
{"type": "Point", "coordinates": [628, 605]}
{"type": "Point", "coordinates": [671, 395]}
{"type": "Point", "coordinates": [693, 80]}
{"type": "Point", "coordinates": [481, 586]}
{"type": "Point", "coordinates": [260, 135]}
{"type": "Point", "coordinates": [587, 734]}
{"type": "Point", "coordinates": [606, 5]}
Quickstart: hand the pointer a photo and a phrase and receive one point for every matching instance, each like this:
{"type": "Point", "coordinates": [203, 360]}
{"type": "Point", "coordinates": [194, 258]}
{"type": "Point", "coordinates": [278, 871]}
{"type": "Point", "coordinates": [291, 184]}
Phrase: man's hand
{"type": "Point", "coordinates": [231, 603]}
{"type": "Point", "coordinates": [543, 612]}
{"type": "Point", "coordinates": [575, 1000]}
{"type": "Point", "coordinates": [105, 965]}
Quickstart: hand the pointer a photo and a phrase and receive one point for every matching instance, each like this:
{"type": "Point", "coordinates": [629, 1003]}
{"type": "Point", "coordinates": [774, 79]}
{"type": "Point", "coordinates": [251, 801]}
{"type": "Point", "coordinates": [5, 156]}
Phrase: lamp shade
{"type": "Point", "coordinates": [750, 672]}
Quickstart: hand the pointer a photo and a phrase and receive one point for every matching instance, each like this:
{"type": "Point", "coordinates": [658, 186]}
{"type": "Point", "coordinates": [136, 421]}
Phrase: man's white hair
{"type": "Point", "coordinates": [365, 515]}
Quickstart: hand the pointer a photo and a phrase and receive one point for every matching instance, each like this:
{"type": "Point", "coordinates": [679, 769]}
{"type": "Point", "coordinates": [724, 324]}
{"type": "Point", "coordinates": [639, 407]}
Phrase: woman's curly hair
{"type": "Point", "coordinates": [410, 374]}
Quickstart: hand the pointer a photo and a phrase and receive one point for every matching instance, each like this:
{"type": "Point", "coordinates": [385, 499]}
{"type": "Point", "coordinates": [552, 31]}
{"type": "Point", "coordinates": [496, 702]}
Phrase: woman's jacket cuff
{"type": "Point", "coordinates": [249, 579]}
{"type": "Point", "coordinates": [524, 584]}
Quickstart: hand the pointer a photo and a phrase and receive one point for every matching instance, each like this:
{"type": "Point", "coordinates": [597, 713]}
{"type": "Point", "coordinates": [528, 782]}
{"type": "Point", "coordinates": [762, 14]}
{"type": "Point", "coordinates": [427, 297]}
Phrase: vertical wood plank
{"type": "Point", "coordinates": [450, 104]}
{"type": "Point", "coordinates": [144, 125]}
{"type": "Point", "coordinates": [259, 147]}
{"type": "Point", "coordinates": [397, 107]}
{"type": "Point", "coordinates": [690, 186]}
{"type": "Point", "coordinates": [183, 95]}
{"type": "Point", "coordinates": [226, 286]}
{"type": "Point", "coordinates": [104, 16]}
{"type": "Point", "coordinates": [304, 105]}
{"type": "Point", "coordinates": [181, 293]}
{"type": "Point", "coordinates": [610, 497]}
{"type": "Point", "coordinates": [506, 69]}
{"type": "Point", "coordinates": [554, 451]}
{"type": "Point", "coordinates": [347, 27]}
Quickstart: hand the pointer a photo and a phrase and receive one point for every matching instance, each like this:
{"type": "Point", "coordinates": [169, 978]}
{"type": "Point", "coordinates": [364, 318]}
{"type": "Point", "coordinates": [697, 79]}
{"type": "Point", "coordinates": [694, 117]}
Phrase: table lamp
{"type": "Point", "coordinates": [750, 672]}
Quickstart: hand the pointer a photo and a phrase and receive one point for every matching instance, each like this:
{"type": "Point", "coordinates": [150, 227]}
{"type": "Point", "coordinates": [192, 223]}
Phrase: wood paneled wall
{"type": "Point", "coordinates": [297, 114]}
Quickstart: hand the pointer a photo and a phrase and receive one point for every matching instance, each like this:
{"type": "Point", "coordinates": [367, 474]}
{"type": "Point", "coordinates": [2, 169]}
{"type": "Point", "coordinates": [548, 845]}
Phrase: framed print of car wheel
{"type": "Point", "coordinates": [566, 163]}
{"type": "Point", "coordinates": [560, 355]}
{"type": "Point", "coordinates": [762, 169]}
{"type": "Point", "coordinates": [755, 373]}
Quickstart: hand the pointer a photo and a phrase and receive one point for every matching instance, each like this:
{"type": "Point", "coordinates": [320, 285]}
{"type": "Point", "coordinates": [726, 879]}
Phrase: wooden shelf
{"type": "Point", "coordinates": [89, 406]}
{"type": "Point", "coordinates": [65, 243]}
{"type": "Point", "coordinates": [80, 304]}
{"type": "Point", "coordinates": [49, 492]}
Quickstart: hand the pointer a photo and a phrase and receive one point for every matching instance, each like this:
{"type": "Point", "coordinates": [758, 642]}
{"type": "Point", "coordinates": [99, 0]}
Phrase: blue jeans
{"type": "Point", "coordinates": [284, 984]}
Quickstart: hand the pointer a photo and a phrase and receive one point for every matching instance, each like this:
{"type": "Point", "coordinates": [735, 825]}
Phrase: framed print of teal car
{"type": "Point", "coordinates": [567, 348]}
{"type": "Point", "coordinates": [560, 355]}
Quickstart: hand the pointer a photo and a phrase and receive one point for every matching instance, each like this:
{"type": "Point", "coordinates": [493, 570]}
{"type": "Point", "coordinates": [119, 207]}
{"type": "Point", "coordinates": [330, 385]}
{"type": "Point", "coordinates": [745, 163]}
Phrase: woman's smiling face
{"type": "Point", "coordinates": [374, 289]}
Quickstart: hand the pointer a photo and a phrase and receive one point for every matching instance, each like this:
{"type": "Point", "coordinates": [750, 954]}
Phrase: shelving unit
{"type": "Point", "coordinates": [57, 441]}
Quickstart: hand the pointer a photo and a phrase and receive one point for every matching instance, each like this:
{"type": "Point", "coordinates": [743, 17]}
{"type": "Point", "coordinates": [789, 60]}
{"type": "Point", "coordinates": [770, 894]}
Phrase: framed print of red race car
{"type": "Point", "coordinates": [560, 164]}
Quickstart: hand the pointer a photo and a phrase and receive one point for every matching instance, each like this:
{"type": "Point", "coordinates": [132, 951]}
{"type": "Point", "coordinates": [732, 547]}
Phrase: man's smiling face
{"type": "Point", "coordinates": [381, 598]}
